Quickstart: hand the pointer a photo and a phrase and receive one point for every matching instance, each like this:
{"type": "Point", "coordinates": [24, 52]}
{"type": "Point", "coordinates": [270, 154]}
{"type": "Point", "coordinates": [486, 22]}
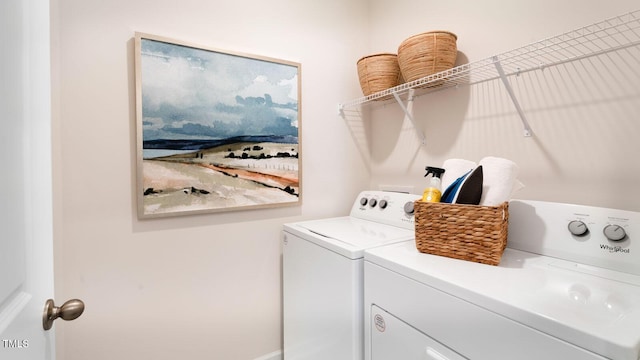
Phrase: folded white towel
{"type": "Point", "coordinates": [499, 181]}
{"type": "Point", "coordinates": [454, 168]}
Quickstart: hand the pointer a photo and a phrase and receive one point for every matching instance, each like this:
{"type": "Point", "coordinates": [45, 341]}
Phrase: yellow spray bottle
{"type": "Point", "coordinates": [433, 192]}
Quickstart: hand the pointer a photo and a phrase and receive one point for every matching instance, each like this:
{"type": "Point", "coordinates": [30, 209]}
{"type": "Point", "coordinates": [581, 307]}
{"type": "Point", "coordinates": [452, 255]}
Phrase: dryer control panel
{"type": "Point", "coordinates": [391, 208]}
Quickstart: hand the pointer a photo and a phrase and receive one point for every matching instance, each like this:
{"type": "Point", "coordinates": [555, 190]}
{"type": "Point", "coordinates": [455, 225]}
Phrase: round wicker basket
{"type": "Point", "coordinates": [378, 72]}
{"type": "Point", "coordinates": [426, 54]}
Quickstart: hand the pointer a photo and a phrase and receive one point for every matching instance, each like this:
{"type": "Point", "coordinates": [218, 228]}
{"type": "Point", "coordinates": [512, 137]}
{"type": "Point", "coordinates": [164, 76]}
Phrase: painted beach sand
{"type": "Point", "coordinates": [226, 176]}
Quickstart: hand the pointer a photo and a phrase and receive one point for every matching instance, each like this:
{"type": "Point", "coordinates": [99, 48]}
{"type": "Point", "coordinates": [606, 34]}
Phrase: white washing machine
{"type": "Point", "coordinates": [323, 270]}
{"type": "Point", "coordinates": [567, 287]}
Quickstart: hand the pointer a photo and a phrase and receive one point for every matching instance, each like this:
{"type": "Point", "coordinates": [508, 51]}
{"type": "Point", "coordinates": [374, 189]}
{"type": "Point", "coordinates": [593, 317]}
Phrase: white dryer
{"type": "Point", "coordinates": [323, 269]}
{"type": "Point", "coordinates": [567, 287]}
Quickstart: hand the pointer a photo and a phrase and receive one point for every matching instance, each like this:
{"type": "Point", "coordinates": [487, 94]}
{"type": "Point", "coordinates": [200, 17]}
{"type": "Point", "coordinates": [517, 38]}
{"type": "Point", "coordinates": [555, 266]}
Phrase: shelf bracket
{"type": "Point", "coordinates": [512, 95]}
{"type": "Point", "coordinates": [408, 110]}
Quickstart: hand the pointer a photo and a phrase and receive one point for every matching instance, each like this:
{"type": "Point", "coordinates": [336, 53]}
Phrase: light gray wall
{"type": "Point", "coordinates": [208, 286]}
{"type": "Point", "coordinates": [196, 287]}
{"type": "Point", "coordinates": [584, 114]}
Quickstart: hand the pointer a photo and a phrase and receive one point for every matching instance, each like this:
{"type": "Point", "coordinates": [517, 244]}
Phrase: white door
{"type": "Point", "coordinates": [26, 256]}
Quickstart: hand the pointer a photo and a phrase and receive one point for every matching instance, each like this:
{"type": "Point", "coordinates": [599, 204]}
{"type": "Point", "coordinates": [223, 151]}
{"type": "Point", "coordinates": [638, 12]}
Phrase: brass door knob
{"type": "Point", "coordinates": [70, 310]}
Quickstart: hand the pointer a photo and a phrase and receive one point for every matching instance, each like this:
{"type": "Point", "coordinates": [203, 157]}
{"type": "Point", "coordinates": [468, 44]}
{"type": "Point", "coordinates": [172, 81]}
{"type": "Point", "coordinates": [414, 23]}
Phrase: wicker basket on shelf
{"type": "Point", "coordinates": [427, 54]}
{"type": "Point", "coordinates": [467, 232]}
{"type": "Point", "coordinates": [378, 72]}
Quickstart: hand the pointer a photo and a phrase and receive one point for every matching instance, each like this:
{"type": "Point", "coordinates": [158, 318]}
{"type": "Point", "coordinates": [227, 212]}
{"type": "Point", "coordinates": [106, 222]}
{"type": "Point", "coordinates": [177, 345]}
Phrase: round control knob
{"type": "Point", "coordinates": [578, 228]}
{"type": "Point", "coordinates": [363, 201]}
{"type": "Point", "coordinates": [383, 204]}
{"type": "Point", "coordinates": [373, 202]}
{"type": "Point", "coordinates": [409, 208]}
{"type": "Point", "coordinates": [614, 232]}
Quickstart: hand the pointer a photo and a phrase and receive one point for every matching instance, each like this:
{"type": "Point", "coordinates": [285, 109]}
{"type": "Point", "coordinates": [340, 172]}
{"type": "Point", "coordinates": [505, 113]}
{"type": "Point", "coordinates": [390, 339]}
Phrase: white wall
{"type": "Point", "coordinates": [196, 287]}
{"type": "Point", "coordinates": [208, 286]}
{"type": "Point", "coordinates": [583, 114]}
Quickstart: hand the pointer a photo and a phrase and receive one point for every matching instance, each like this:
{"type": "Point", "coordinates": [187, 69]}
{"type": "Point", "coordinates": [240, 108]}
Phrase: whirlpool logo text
{"type": "Point", "coordinates": [614, 249]}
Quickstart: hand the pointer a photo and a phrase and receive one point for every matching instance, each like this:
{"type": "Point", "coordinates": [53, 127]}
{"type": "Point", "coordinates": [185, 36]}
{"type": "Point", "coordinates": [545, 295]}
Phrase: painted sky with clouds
{"type": "Point", "coordinates": [189, 93]}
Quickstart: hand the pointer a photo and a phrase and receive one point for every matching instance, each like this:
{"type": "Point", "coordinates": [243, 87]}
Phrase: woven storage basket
{"type": "Point", "coordinates": [378, 72]}
{"type": "Point", "coordinates": [467, 232]}
{"type": "Point", "coordinates": [427, 54]}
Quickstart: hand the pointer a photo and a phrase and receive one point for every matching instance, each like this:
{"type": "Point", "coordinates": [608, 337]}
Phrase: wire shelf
{"type": "Point", "coordinates": [614, 34]}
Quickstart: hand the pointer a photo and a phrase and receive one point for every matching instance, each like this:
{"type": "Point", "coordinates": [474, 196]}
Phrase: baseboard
{"type": "Point", "coordinates": [276, 355]}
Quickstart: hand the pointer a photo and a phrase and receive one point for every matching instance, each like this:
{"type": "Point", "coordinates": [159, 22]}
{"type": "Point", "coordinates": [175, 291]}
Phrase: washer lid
{"type": "Point", "coordinates": [594, 308]}
{"type": "Point", "coordinates": [349, 236]}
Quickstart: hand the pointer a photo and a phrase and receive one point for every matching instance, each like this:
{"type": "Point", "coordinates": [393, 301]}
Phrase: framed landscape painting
{"type": "Point", "coordinates": [216, 130]}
